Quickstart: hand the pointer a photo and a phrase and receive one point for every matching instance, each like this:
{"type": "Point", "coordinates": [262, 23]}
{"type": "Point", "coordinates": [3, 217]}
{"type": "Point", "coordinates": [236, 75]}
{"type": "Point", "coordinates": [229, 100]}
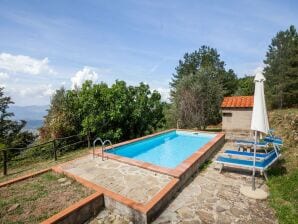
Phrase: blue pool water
{"type": "Point", "coordinates": [166, 150]}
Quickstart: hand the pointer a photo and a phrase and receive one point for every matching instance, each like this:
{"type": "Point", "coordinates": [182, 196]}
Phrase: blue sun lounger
{"type": "Point", "coordinates": [263, 145]}
{"type": "Point", "coordinates": [273, 140]}
{"type": "Point", "coordinates": [261, 165]}
{"type": "Point", "coordinates": [251, 154]}
{"type": "Point", "coordinates": [249, 144]}
{"type": "Point", "coordinates": [245, 154]}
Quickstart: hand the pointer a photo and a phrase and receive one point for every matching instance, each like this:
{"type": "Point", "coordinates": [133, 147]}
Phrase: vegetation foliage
{"type": "Point", "coordinates": [281, 70]}
{"type": "Point", "coordinates": [11, 133]}
{"type": "Point", "coordinates": [283, 178]}
{"type": "Point", "coordinates": [198, 87]}
{"type": "Point", "coordinates": [118, 113]}
{"type": "Point", "coordinates": [246, 86]}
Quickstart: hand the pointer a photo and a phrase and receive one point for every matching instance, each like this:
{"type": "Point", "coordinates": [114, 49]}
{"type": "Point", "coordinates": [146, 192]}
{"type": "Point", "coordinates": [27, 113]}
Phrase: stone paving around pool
{"type": "Point", "coordinates": [213, 197]}
{"type": "Point", "coordinates": [129, 181]}
{"type": "Point", "coordinates": [210, 197]}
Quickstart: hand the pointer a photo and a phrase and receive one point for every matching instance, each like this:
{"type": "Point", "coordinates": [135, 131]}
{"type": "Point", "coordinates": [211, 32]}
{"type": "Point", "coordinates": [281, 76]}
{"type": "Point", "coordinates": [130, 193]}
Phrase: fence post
{"type": "Point", "coordinates": [88, 139]}
{"type": "Point", "coordinates": [54, 150]}
{"type": "Point", "coordinates": [4, 162]}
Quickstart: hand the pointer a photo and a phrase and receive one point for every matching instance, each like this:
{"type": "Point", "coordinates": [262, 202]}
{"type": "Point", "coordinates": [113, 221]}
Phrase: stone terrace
{"type": "Point", "coordinates": [210, 197]}
{"type": "Point", "coordinates": [132, 182]}
{"type": "Point", "coordinates": [213, 197]}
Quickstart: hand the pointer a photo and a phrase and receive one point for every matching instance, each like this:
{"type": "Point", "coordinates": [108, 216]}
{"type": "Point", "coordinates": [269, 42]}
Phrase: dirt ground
{"type": "Point", "coordinates": [36, 199]}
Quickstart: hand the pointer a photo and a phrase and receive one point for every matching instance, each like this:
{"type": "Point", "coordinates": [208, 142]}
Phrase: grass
{"type": "Point", "coordinates": [38, 198]}
{"type": "Point", "coordinates": [284, 196]}
{"type": "Point", "coordinates": [205, 165]}
{"type": "Point", "coordinates": [16, 169]}
{"type": "Point", "coordinates": [283, 178]}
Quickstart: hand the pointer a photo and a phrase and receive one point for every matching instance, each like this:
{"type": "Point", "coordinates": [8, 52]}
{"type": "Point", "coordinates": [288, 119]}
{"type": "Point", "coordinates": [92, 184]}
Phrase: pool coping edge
{"type": "Point", "coordinates": [176, 172]}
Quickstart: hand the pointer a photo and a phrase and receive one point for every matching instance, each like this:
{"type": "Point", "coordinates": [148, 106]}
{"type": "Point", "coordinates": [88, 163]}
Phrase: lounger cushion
{"type": "Point", "coordinates": [243, 142]}
{"type": "Point", "coordinates": [250, 154]}
{"type": "Point", "coordinates": [273, 140]}
{"type": "Point", "coordinates": [248, 163]}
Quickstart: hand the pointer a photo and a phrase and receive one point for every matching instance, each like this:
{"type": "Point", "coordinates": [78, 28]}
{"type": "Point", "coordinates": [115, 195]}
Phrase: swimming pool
{"type": "Point", "coordinates": [166, 150]}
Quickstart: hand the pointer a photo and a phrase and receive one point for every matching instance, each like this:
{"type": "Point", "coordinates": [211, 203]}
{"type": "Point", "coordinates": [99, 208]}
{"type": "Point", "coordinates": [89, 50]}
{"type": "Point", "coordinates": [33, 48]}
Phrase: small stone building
{"type": "Point", "coordinates": [236, 116]}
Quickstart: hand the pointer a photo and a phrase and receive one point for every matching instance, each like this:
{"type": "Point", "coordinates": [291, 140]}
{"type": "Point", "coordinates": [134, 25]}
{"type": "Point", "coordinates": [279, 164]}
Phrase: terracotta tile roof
{"type": "Point", "coordinates": [238, 101]}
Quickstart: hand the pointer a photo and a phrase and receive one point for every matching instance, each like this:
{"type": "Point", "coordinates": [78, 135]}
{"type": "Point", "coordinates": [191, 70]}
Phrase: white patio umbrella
{"type": "Point", "coordinates": [259, 121]}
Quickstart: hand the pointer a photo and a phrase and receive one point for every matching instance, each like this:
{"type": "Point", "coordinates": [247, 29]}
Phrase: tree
{"type": "Point", "coordinates": [171, 116]}
{"type": "Point", "coordinates": [11, 132]}
{"type": "Point", "coordinates": [198, 99]}
{"type": "Point", "coordinates": [205, 57]}
{"type": "Point", "coordinates": [245, 86]}
{"type": "Point", "coordinates": [61, 120]}
{"type": "Point", "coordinates": [229, 82]}
{"type": "Point", "coordinates": [198, 87]}
{"type": "Point", "coordinates": [281, 69]}
{"type": "Point", "coordinates": [117, 113]}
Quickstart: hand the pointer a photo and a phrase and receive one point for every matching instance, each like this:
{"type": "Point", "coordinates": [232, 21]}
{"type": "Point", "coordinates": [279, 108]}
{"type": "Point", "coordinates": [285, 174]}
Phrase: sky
{"type": "Point", "coordinates": [48, 44]}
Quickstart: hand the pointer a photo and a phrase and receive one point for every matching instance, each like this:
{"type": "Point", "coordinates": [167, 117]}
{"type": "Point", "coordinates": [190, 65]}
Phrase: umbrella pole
{"type": "Point", "coordinates": [254, 164]}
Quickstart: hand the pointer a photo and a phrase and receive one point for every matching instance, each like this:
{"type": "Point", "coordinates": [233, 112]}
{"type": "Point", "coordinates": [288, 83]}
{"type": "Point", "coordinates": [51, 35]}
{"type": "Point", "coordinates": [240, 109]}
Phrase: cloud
{"type": "Point", "coordinates": [81, 76]}
{"type": "Point", "coordinates": [165, 93]}
{"type": "Point", "coordinates": [34, 91]}
{"type": "Point", "coordinates": [23, 94]}
{"type": "Point", "coordinates": [25, 64]}
{"type": "Point", "coordinates": [3, 76]}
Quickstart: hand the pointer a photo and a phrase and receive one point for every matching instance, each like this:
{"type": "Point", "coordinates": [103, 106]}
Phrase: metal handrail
{"type": "Point", "coordinates": [68, 137]}
{"type": "Point", "coordinates": [111, 145]}
{"type": "Point", "coordinates": [55, 147]}
{"type": "Point", "coordinates": [28, 147]}
{"type": "Point", "coordinates": [40, 144]}
{"type": "Point", "coordinates": [102, 146]}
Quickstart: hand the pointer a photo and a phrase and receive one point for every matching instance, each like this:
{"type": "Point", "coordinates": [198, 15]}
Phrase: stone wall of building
{"type": "Point", "coordinates": [238, 119]}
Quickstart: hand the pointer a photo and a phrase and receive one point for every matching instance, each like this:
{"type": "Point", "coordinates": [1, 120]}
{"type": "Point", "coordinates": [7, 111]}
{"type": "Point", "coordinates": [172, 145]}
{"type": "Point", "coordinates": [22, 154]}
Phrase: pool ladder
{"type": "Point", "coordinates": [103, 147]}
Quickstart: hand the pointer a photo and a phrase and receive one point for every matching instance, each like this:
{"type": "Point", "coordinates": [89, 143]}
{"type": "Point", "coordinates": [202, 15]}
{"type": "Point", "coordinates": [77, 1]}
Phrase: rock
{"type": "Point", "coordinates": [191, 222]}
{"type": "Point", "coordinates": [224, 204]}
{"type": "Point", "coordinates": [211, 200]}
{"type": "Point", "coordinates": [208, 206]}
{"type": "Point", "coordinates": [205, 217]}
{"type": "Point", "coordinates": [66, 183]}
{"type": "Point", "coordinates": [220, 209]}
{"type": "Point", "coordinates": [103, 214]}
{"type": "Point", "coordinates": [185, 213]}
{"type": "Point", "coordinates": [94, 221]}
{"type": "Point", "coordinates": [13, 207]}
{"type": "Point", "coordinates": [120, 220]}
{"type": "Point", "coordinates": [236, 212]}
{"type": "Point", "coordinates": [61, 180]}
{"type": "Point", "coordinates": [165, 222]}
{"type": "Point", "coordinates": [111, 218]}
{"type": "Point", "coordinates": [224, 219]}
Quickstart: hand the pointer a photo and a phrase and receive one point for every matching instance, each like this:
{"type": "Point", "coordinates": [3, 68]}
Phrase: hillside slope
{"type": "Point", "coordinates": [285, 124]}
{"type": "Point", "coordinates": [283, 178]}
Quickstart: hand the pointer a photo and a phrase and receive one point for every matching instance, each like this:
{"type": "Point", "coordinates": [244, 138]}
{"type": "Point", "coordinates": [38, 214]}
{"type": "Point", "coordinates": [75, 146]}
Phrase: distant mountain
{"type": "Point", "coordinates": [33, 124]}
{"type": "Point", "coordinates": [28, 112]}
{"type": "Point", "coordinates": [34, 115]}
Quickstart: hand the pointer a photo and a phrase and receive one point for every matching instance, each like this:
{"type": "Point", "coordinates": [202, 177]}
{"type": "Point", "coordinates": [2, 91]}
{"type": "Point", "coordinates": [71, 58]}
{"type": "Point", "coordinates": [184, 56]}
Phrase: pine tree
{"type": "Point", "coordinates": [205, 58]}
{"type": "Point", "coordinates": [281, 69]}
